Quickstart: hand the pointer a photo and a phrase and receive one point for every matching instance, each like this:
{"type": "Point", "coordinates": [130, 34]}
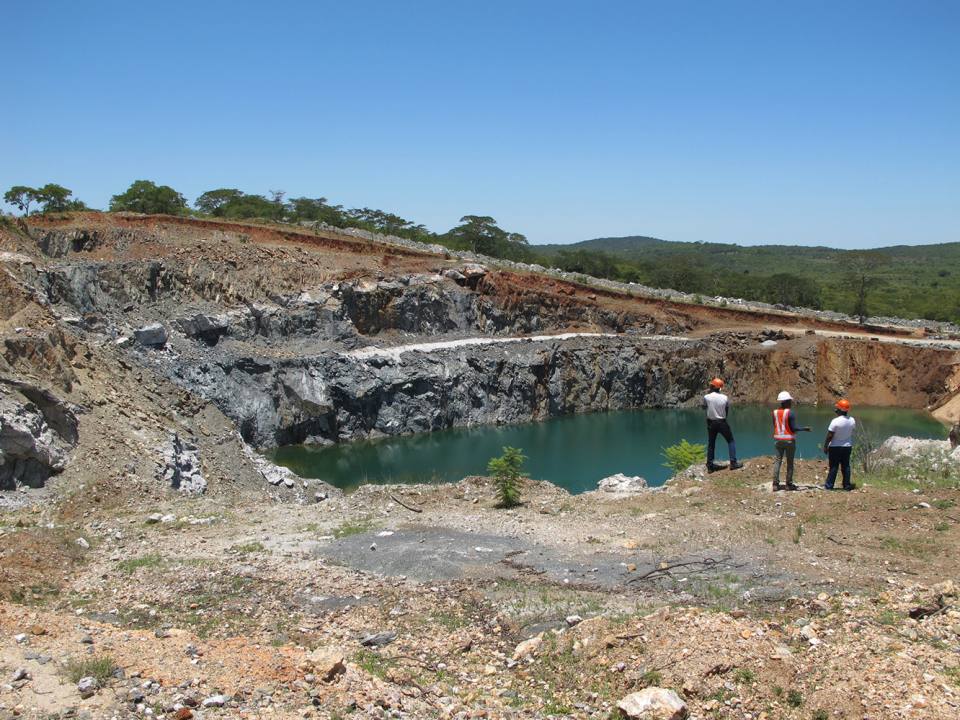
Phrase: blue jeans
{"type": "Point", "coordinates": [839, 460]}
{"type": "Point", "coordinates": [720, 427]}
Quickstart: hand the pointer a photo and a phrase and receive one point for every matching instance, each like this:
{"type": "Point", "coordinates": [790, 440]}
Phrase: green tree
{"type": "Point", "coordinates": [317, 210]}
{"type": "Point", "coordinates": [22, 197]}
{"type": "Point", "coordinates": [507, 471]}
{"type": "Point", "coordinates": [56, 198]}
{"type": "Point", "coordinates": [862, 276]}
{"type": "Point", "coordinates": [249, 206]}
{"type": "Point", "coordinates": [481, 234]}
{"type": "Point", "coordinates": [212, 202]}
{"type": "Point", "coordinates": [145, 196]}
{"type": "Point", "coordinates": [680, 272]}
{"type": "Point", "coordinates": [790, 289]}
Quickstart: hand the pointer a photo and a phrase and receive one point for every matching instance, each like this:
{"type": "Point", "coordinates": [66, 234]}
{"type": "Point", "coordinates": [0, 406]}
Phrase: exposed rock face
{"type": "Point", "coordinates": [181, 467]}
{"type": "Point", "coordinates": [272, 347]}
{"type": "Point", "coordinates": [284, 477]}
{"type": "Point", "coordinates": [37, 432]}
{"type": "Point", "coordinates": [337, 397]}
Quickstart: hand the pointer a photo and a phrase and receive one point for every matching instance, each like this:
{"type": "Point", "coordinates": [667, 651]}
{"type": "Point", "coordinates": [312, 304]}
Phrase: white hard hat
{"type": "Point", "coordinates": [784, 395]}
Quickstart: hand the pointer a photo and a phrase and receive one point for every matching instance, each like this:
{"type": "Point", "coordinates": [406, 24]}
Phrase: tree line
{"type": "Point", "coordinates": [478, 233]}
{"type": "Point", "coordinates": [682, 271]}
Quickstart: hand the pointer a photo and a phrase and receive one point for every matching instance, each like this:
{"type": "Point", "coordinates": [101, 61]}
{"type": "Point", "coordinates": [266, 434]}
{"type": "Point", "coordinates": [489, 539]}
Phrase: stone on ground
{"type": "Point", "coordinates": [653, 703]}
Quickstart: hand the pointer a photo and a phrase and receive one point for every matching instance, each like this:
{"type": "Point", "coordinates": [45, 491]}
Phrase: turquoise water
{"type": "Point", "coordinates": [576, 451]}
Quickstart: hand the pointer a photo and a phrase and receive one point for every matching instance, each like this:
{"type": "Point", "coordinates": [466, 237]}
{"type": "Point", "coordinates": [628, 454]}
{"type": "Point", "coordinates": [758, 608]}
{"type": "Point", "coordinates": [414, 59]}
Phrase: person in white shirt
{"type": "Point", "coordinates": [718, 406]}
{"type": "Point", "coordinates": [839, 444]}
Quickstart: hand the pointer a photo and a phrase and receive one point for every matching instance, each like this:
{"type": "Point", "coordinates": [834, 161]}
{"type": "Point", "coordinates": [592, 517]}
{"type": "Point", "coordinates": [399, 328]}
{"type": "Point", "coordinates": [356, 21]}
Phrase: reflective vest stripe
{"type": "Point", "coordinates": [781, 425]}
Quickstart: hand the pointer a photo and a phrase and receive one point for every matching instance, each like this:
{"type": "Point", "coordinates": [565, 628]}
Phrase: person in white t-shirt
{"type": "Point", "coordinates": [839, 444]}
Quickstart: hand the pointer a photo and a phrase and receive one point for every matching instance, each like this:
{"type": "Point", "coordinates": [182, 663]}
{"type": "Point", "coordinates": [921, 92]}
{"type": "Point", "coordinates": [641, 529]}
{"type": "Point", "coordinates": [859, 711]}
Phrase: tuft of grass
{"type": "Point", "coordinates": [373, 663]}
{"type": "Point", "coordinates": [889, 617]}
{"type": "Point", "coordinates": [744, 676]}
{"type": "Point", "coordinates": [349, 528]}
{"type": "Point", "coordinates": [100, 667]}
{"type": "Point", "coordinates": [820, 715]}
{"type": "Point", "coordinates": [248, 548]}
{"type": "Point", "coordinates": [150, 560]}
{"type": "Point", "coordinates": [797, 533]}
{"type": "Point", "coordinates": [794, 698]}
{"type": "Point", "coordinates": [943, 504]}
{"type": "Point", "coordinates": [919, 547]}
{"type": "Point", "coordinates": [942, 526]}
{"type": "Point", "coordinates": [651, 678]}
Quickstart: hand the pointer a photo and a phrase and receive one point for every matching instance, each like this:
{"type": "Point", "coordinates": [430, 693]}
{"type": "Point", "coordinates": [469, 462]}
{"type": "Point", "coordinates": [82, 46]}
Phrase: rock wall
{"type": "Point", "coordinates": [335, 397]}
{"type": "Point", "coordinates": [37, 432]}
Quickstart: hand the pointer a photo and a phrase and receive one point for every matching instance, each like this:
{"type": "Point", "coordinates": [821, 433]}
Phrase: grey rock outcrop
{"type": "Point", "coordinates": [37, 433]}
{"type": "Point", "coordinates": [180, 467]}
{"type": "Point", "coordinates": [335, 397]}
{"type": "Point", "coordinates": [152, 335]}
{"type": "Point", "coordinates": [209, 328]}
{"type": "Point", "coordinates": [279, 476]}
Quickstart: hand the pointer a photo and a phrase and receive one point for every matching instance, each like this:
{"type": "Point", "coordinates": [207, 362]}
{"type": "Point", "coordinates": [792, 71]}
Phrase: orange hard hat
{"type": "Point", "coordinates": [843, 405]}
{"type": "Point", "coordinates": [716, 383]}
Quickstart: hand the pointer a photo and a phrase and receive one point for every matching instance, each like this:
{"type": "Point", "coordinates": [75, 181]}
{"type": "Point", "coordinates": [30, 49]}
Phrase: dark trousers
{"type": "Point", "coordinates": [839, 460]}
{"type": "Point", "coordinates": [719, 427]}
{"type": "Point", "coordinates": [785, 449]}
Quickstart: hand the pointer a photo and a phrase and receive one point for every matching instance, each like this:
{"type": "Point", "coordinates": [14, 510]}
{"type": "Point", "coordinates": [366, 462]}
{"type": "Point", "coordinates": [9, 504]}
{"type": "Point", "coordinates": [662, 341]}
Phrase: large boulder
{"type": "Point", "coordinates": [152, 335]}
{"type": "Point", "coordinates": [37, 433]}
{"type": "Point", "coordinates": [208, 328]}
{"type": "Point", "coordinates": [653, 703]}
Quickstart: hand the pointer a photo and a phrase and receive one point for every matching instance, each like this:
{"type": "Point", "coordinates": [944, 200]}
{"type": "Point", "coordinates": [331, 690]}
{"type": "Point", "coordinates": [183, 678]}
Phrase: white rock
{"type": "Point", "coordinates": [573, 620]}
{"type": "Point", "coordinates": [154, 518]}
{"type": "Point", "coordinates": [621, 484]}
{"type": "Point", "coordinates": [87, 686]}
{"type": "Point", "coordinates": [528, 647]}
{"type": "Point", "coordinates": [215, 701]}
{"type": "Point", "coordinates": [653, 703]}
{"type": "Point", "coordinates": [327, 662]}
{"type": "Point", "coordinates": [82, 542]}
{"type": "Point", "coordinates": [473, 270]}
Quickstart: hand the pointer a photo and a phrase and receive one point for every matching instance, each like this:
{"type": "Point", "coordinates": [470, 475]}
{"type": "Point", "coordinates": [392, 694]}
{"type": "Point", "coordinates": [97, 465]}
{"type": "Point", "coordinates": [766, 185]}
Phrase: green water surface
{"type": "Point", "coordinates": [577, 451]}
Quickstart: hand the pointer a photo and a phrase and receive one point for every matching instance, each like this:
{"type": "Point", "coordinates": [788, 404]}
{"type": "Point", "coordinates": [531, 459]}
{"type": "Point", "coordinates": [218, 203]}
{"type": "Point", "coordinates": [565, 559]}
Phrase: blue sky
{"type": "Point", "coordinates": [831, 123]}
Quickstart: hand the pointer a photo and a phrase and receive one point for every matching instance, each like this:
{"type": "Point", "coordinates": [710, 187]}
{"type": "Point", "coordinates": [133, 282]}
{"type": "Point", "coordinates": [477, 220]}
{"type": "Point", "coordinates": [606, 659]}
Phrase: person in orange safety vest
{"type": "Point", "coordinates": [785, 439]}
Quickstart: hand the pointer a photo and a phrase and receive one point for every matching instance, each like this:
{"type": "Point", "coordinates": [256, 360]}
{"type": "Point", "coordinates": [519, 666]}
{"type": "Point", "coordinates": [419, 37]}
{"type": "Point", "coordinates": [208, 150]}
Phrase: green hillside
{"type": "Point", "coordinates": [906, 281]}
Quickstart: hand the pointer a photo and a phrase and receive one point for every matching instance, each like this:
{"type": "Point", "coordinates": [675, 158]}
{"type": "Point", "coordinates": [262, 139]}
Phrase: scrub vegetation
{"type": "Point", "coordinates": [683, 455]}
{"type": "Point", "coordinates": [507, 471]}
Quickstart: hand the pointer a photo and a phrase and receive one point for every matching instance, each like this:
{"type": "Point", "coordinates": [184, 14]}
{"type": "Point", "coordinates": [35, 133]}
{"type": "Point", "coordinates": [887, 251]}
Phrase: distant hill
{"type": "Point", "coordinates": [908, 281]}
